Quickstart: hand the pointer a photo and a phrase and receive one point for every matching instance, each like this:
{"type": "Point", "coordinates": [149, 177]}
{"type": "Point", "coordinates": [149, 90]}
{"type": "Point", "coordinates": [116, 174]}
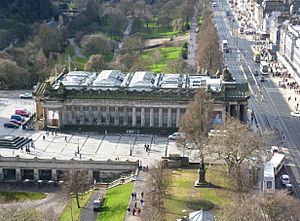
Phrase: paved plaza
{"type": "Point", "coordinates": [92, 146]}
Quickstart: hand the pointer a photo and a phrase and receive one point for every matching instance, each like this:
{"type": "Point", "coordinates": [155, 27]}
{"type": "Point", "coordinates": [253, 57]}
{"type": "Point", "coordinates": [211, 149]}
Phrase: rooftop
{"type": "Point", "coordinates": [141, 80]}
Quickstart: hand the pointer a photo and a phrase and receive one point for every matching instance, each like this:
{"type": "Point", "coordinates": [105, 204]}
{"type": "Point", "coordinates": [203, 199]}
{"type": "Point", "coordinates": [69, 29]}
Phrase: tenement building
{"type": "Point", "coordinates": [141, 101]}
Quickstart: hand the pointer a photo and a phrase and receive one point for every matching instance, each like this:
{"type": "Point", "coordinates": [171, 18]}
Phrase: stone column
{"type": "Point", "coordinates": [177, 117]}
{"type": "Point", "coordinates": [142, 117]}
{"type": "Point", "coordinates": [237, 109]}
{"type": "Point", "coordinates": [169, 122]}
{"type": "Point", "coordinates": [90, 174]}
{"type": "Point", "coordinates": [160, 117]}
{"type": "Point", "coordinates": [18, 174]}
{"type": "Point", "coordinates": [223, 116]}
{"type": "Point", "coordinates": [36, 174]}
{"type": "Point", "coordinates": [151, 117]}
{"type": "Point", "coordinates": [54, 175]}
{"type": "Point", "coordinates": [133, 116]}
{"type": "Point", "coordinates": [1, 174]}
{"type": "Point", "coordinates": [107, 116]}
{"type": "Point", "coordinates": [125, 116]}
{"type": "Point", "coordinates": [116, 116]}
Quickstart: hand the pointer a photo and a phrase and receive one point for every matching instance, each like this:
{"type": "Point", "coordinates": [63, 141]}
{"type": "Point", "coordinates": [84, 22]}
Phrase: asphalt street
{"type": "Point", "coordinates": [271, 110]}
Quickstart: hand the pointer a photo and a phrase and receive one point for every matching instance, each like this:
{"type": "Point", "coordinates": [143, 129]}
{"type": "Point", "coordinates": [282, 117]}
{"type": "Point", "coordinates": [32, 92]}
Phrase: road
{"type": "Point", "coordinates": [88, 213]}
{"type": "Point", "coordinates": [271, 110]}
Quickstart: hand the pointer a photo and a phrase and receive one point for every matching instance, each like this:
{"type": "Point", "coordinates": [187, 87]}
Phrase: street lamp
{"type": "Point", "coordinates": [130, 148]}
{"type": "Point", "coordinates": [78, 147]}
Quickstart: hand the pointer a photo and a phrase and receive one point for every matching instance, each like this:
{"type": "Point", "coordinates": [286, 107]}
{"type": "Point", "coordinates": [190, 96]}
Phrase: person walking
{"type": "Point", "coordinates": [142, 194]}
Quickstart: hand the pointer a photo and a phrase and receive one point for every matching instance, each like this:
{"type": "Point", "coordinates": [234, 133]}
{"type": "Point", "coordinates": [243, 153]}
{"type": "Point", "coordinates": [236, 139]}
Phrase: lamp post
{"type": "Point", "coordinates": [130, 148]}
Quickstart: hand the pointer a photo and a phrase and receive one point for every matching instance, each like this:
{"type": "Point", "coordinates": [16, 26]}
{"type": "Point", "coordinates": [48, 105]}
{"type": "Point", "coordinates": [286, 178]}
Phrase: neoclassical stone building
{"type": "Point", "coordinates": [141, 101]}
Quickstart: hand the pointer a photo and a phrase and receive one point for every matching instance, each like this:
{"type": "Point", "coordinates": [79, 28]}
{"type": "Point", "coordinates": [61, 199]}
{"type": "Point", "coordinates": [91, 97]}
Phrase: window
{"type": "Point", "coordinates": [86, 120]}
{"type": "Point", "coordinates": [85, 108]}
{"type": "Point", "coordinates": [269, 184]}
{"type": "Point", "coordinates": [77, 108]}
{"type": "Point", "coordinates": [94, 108]}
{"type": "Point", "coordinates": [68, 108]}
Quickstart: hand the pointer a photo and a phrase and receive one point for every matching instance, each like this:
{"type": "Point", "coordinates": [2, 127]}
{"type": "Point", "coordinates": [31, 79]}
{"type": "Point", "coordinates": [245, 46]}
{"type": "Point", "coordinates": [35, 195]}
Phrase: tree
{"type": "Point", "coordinates": [50, 39]}
{"type": "Point", "coordinates": [75, 183]}
{"type": "Point", "coordinates": [209, 55]}
{"type": "Point", "coordinates": [12, 76]}
{"type": "Point", "coordinates": [176, 66]}
{"type": "Point", "coordinates": [97, 44]}
{"type": "Point", "coordinates": [155, 56]}
{"type": "Point", "coordinates": [133, 44]}
{"type": "Point", "coordinates": [278, 206]}
{"type": "Point", "coordinates": [154, 195]}
{"type": "Point", "coordinates": [236, 143]}
{"type": "Point", "coordinates": [13, 211]}
{"type": "Point", "coordinates": [95, 63]}
{"type": "Point", "coordinates": [196, 122]}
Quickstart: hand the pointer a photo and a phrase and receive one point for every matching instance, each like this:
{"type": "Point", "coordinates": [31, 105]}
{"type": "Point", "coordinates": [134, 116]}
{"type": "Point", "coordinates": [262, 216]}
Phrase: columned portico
{"type": "Point", "coordinates": [18, 174]}
{"type": "Point", "coordinates": [177, 117]}
{"type": "Point", "coordinates": [36, 174]}
{"type": "Point", "coordinates": [116, 116]}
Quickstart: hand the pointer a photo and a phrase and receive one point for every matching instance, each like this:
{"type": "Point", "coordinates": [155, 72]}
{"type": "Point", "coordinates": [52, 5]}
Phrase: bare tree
{"type": "Point", "coordinates": [196, 123]}
{"type": "Point", "coordinates": [75, 183]}
{"type": "Point", "coordinates": [155, 194]}
{"type": "Point", "coordinates": [155, 56]}
{"type": "Point", "coordinates": [14, 211]}
{"type": "Point", "coordinates": [235, 143]}
{"type": "Point", "coordinates": [278, 206]}
{"type": "Point", "coordinates": [95, 63]}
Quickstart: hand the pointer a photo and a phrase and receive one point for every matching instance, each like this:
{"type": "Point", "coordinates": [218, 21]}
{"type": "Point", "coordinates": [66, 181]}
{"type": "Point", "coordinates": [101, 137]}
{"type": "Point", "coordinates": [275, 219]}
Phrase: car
{"type": "Point", "coordinates": [295, 114]}
{"type": "Point", "coordinates": [16, 122]}
{"type": "Point", "coordinates": [262, 79]}
{"type": "Point", "coordinates": [285, 179]}
{"type": "Point", "coordinates": [214, 4]}
{"type": "Point", "coordinates": [17, 117]}
{"type": "Point", "coordinates": [26, 96]}
{"type": "Point", "coordinates": [176, 135]}
{"type": "Point", "coordinates": [23, 112]}
{"type": "Point", "coordinates": [11, 125]}
{"type": "Point", "coordinates": [255, 73]}
{"type": "Point", "coordinates": [289, 188]}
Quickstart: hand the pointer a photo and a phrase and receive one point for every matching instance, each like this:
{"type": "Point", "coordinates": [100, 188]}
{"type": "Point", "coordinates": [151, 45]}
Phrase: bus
{"type": "Point", "coordinates": [225, 47]}
{"type": "Point", "coordinates": [264, 68]}
{"type": "Point", "coordinates": [271, 170]}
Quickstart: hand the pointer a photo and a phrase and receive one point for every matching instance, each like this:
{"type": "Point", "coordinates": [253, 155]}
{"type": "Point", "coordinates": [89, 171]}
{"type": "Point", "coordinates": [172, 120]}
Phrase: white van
{"type": "Point", "coordinates": [285, 179]}
{"type": "Point", "coordinates": [176, 135]}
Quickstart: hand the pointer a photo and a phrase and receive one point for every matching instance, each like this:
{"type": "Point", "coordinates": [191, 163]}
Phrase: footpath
{"type": "Point", "coordinates": [136, 202]}
{"type": "Point", "coordinates": [88, 213]}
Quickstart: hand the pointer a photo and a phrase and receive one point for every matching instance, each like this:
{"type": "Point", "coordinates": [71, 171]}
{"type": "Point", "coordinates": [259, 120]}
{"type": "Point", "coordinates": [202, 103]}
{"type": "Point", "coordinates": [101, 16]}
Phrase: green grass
{"type": "Point", "coordinates": [66, 214]}
{"type": "Point", "coordinates": [165, 55]}
{"type": "Point", "coordinates": [115, 203]}
{"type": "Point", "coordinates": [181, 189]}
{"type": "Point", "coordinates": [21, 196]}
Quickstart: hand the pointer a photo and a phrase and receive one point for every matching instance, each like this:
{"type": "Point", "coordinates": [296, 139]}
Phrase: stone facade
{"type": "Point", "coordinates": [17, 169]}
{"type": "Point", "coordinates": [135, 108]}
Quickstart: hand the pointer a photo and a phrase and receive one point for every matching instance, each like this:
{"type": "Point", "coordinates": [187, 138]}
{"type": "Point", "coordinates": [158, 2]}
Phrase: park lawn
{"type": "Point", "coordinates": [165, 55]}
{"type": "Point", "coordinates": [181, 189]}
{"type": "Point", "coordinates": [66, 214]}
{"type": "Point", "coordinates": [115, 203]}
{"type": "Point", "coordinates": [21, 196]}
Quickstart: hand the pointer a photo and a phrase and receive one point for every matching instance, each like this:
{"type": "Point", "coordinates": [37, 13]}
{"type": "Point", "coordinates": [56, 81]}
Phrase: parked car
{"type": "Point", "coordinates": [17, 117]}
{"type": "Point", "coordinates": [176, 135]}
{"type": "Point", "coordinates": [16, 122]}
{"type": "Point", "coordinates": [26, 96]}
{"type": "Point", "coordinates": [285, 179]}
{"type": "Point", "coordinates": [289, 188]}
{"type": "Point", "coordinates": [255, 73]}
{"type": "Point", "coordinates": [11, 125]}
{"type": "Point", "coordinates": [23, 112]}
{"type": "Point", "coordinates": [295, 114]}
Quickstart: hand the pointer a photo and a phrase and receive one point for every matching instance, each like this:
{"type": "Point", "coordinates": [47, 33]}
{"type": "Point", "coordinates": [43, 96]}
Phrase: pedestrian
{"type": "Point", "coordinates": [75, 154]}
{"type": "Point", "coordinates": [139, 211]}
{"type": "Point", "coordinates": [141, 201]}
{"type": "Point", "coordinates": [133, 211]}
{"type": "Point", "coordinates": [66, 138]}
{"type": "Point", "coordinates": [132, 195]}
{"type": "Point", "coordinates": [142, 194]}
{"type": "Point", "coordinates": [128, 210]}
{"type": "Point", "coordinates": [135, 204]}
{"type": "Point", "coordinates": [44, 137]}
{"type": "Point", "coordinates": [295, 98]}
{"type": "Point", "coordinates": [135, 195]}
{"type": "Point", "coordinates": [289, 98]}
